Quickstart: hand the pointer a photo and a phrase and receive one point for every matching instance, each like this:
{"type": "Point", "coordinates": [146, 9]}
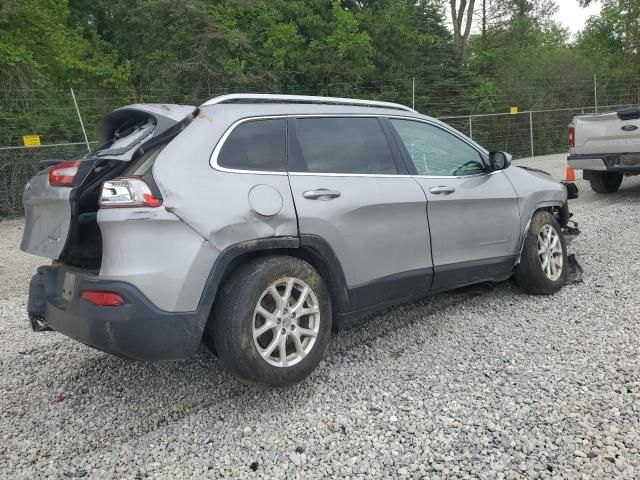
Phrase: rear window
{"type": "Point", "coordinates": [127, 136]}
{"type": "Point", "coordinates": [344, 145]}
{"type": "Point", "coordinates": [255, 145]}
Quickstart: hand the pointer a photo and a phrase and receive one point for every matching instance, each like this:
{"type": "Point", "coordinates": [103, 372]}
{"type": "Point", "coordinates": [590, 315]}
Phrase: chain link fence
{"type": "Point", "coordinates": [523, 134]}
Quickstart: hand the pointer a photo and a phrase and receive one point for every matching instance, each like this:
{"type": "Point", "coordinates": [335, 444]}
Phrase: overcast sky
{"type": "Point", "coordinates": [571, 15]}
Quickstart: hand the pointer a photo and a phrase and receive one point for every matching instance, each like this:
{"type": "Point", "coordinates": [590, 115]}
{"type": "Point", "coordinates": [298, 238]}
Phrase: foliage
{"type": "Point", "coordinates": [114, 52]}
{"type": "Point", "coordinates": [40, 51]}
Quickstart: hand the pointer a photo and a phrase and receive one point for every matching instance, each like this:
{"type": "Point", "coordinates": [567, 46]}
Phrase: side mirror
{"type": "Point", "coordinates": [499, 160]}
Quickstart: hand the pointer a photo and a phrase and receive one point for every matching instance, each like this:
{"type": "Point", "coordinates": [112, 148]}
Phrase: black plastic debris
{"type": "Point", "coordinates": [570, 231]}
{"type": "Point", "coordinates": [574, 270]}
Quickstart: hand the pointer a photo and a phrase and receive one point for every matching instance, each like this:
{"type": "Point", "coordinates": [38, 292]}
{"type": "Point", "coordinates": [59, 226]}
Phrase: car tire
{"type": "Point", "coordinates": [251, 326]}
{"type": "Point", "coordinates": [605, 182]}
{"type": "Point", "coordinates": [540, 271]}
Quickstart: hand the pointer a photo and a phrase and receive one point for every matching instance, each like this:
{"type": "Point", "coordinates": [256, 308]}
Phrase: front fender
{"type": "Point", "coordinates": [535, 191]}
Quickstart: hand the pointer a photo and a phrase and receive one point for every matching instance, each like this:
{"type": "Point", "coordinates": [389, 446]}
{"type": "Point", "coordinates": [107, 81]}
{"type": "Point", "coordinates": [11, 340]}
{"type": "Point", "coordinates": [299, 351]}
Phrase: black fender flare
{"type": "Point", "coordinates": [564, 217]}
{"type": "Point", "coordinates": [311, 248]}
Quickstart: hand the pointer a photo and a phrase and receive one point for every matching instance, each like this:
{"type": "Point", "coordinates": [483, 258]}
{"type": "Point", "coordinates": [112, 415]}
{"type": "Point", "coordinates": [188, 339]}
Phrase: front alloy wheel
{"type": "Point", "coordinates": [542, 268]}
{"type": "Point", "coordinates": [550, 252]}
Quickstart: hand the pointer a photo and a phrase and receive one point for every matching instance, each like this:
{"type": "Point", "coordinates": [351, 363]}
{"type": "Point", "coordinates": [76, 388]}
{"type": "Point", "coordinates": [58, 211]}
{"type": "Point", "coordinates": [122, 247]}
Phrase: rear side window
{"type": "Point", "coordinates": [255, 145]}
{"type": "Point", "coordinates": [344, 145]}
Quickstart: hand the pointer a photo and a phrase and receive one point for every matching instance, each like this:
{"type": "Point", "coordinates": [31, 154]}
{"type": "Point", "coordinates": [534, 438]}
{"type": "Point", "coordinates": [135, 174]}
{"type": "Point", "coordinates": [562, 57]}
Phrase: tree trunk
{"type": "Point", "coordinates": [462, 18]}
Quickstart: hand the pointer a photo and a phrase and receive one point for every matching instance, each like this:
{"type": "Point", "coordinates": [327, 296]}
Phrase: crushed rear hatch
{"type": "Point", "coordinates": [56, 214]}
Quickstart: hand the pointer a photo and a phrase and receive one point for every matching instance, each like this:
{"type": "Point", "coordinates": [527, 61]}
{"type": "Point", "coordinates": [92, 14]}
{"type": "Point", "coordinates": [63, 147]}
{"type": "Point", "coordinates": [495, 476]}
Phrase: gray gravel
{"type": "Point", "coordinates": [463, 385]}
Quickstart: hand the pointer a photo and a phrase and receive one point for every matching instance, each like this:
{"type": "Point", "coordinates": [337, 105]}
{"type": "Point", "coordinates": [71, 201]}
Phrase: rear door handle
{"type": "Point", "coordinates": [321, 194]}
{"type": "Point", "coordinates": [442, 189]}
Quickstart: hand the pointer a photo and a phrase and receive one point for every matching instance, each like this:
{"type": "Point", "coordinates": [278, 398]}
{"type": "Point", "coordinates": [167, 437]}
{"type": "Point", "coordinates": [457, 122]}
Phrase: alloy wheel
{"type": "Point", "coordinates": [286, 322]}
{"type": "Point", "coordinates": [550, 252]}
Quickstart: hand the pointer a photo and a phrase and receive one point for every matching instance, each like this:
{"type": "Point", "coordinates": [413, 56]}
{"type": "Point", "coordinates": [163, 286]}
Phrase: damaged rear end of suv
{"type": "Point", "coordinates": [74, 215]}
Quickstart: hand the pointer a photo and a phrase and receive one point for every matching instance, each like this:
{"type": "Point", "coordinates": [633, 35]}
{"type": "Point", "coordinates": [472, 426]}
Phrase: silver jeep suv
{"type": "Point", "coordinates": [258, 222]}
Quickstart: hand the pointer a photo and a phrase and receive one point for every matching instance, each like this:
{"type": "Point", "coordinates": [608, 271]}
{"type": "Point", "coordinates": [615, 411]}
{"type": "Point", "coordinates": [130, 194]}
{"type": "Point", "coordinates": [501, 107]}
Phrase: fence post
{"type": "Point", "coordinates": [595, 91]}
{"type": "Point", "coordinates": [531, 132]}
{"type": "Point", "coordinates": [470, 127]}
{"type": "Point", "coordinates": [413, 93]}
{"type": "Point", "coordinates": [84, 132]}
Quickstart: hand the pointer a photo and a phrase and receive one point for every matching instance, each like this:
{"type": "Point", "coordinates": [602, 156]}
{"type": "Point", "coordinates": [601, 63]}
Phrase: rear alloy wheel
{"type": "Point", "coordinates": [605, 182]}
{"type": "Point", "coordinates": [272, 321]}
{"type": "Point", "coordinates": [543, 263]}
{"type": "Point", "coordinates": [286, 322]}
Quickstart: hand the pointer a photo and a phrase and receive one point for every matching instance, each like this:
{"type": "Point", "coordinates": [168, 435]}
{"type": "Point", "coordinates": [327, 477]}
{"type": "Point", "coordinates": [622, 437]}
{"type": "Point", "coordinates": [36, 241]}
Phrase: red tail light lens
{"type": "Point", "coordinates": [572, 137]}
{"type": "Point", "coordinates": [103, 299]}
{"type": "Point", "coordinates": [63, 174]}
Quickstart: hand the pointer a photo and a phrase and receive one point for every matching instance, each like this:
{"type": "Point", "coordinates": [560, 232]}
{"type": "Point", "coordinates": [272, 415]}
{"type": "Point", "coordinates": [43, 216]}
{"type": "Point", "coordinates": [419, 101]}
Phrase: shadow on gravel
{"type": "Point", "coordinates": [629, 192]}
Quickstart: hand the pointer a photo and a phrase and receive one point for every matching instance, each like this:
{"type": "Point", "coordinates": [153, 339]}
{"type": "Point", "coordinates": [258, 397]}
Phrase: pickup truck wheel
{"type": "Point", "coordinates": [272, 321]}
{"type": "Point", "coordinates": [543, 264]}
{"type": "Point", "coordinates": [605, 182]}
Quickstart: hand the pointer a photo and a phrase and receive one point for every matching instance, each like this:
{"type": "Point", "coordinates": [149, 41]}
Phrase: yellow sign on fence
{"type": "Point", "coordinates": [514, 110]}
{"type": "Point", "coordinates": [31, 140]}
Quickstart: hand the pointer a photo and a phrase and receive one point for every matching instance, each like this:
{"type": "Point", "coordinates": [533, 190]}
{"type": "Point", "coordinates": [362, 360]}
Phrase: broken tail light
{"type": "Point", "coordinates": [64, 174]}
{"type": "Point", "coordinates": [126, 192]}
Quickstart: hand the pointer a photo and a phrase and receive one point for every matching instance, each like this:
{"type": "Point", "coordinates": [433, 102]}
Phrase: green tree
{"type": "Point", "coordinates": [42, 55]}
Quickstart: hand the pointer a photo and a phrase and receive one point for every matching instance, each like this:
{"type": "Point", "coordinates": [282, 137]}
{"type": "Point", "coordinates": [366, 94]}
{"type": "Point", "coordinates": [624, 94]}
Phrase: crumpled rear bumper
{"type": "Point", "coordinates": [136, 330]}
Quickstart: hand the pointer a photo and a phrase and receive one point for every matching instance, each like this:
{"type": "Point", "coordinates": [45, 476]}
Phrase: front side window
{"type": "Point", "coordinates": [436, 152]}
{"type": "Point", "coordinates": [255, 145]}
{"type": "Point", "coordinates": [344, 145]}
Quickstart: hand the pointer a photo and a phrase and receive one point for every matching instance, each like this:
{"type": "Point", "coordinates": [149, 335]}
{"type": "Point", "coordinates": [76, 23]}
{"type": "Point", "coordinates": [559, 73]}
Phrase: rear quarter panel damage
{"type": "Point", "coordinates": [168, 252]}
{"type": "Point", "coordinates": [216, 204]}
{"type": "Point", "coordinates": [152, 249]}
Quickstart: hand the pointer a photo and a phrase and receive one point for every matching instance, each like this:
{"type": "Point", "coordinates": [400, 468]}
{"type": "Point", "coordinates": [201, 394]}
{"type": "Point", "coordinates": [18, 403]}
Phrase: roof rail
{"type": "Point", "coordinates": [256, 97]}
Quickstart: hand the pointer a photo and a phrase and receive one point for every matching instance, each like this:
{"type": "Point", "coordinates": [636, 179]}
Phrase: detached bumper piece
{"type": "Point", "coordinates": [574, 270]}
{"type": "Point", "coordinates": [136, 329]}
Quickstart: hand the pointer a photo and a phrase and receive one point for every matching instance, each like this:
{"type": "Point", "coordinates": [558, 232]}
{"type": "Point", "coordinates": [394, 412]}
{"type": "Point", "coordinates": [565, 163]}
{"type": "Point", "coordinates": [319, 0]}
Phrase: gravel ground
{"type": "Point", "coordinates": [462, 385]}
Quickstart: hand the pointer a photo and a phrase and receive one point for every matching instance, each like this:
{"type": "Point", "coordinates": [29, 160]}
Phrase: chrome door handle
{"type": "Point", "coordinates": [442, 189]}
{"type": "Point", "coordinates": [321, 194]}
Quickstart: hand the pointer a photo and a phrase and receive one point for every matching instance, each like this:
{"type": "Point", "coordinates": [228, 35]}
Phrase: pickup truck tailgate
{"type": "Point", "coordinates": [605, 133]}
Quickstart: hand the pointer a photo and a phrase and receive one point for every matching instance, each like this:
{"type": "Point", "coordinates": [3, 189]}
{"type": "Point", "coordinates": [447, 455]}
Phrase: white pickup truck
{"type": "Point", "coordinates": [606, 147]}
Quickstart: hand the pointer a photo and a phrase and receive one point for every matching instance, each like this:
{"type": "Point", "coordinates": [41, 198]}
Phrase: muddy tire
{"type": "Point", "coordinates": [605, 182]}
{"type": "Point", "coordinates": [543, 265]}
{"type": "Point", "coordinates": [272, 321]}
